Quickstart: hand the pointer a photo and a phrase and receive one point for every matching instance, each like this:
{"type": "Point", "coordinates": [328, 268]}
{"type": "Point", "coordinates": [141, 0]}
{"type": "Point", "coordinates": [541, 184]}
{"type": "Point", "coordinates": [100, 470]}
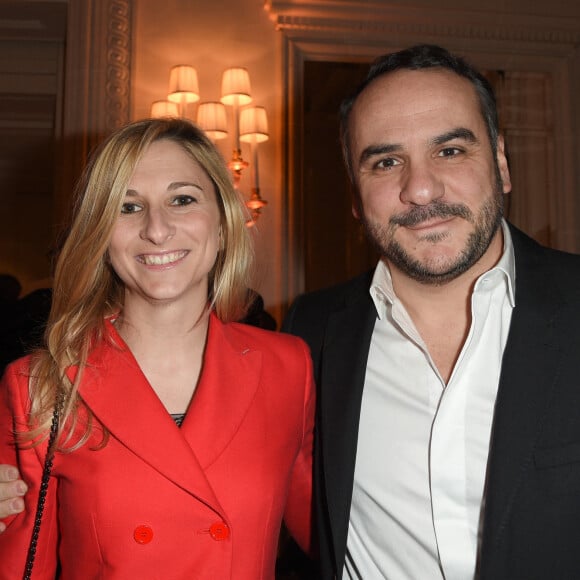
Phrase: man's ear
{"type": "Point", "coordinates": [503, 165]}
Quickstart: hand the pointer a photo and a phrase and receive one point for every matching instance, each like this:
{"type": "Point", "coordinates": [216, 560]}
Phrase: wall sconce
{"type": "Point", "coordinates": [254, 130]}
{"type": "Point", "coordinates": [250, 123]}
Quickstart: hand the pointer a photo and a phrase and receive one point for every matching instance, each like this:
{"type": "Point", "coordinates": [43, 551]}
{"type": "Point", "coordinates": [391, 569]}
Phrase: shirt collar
{"type": "Point", "coordinates": [382, 292]}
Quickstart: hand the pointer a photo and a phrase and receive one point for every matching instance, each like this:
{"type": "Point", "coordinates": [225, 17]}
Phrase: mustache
{"type": "Point", "coordinates": [436, 209]}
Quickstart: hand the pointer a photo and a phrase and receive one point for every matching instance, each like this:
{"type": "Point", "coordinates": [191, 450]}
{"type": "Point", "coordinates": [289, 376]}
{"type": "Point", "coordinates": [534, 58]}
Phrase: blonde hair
{"type": "Point", "coordinates": [86, 289]}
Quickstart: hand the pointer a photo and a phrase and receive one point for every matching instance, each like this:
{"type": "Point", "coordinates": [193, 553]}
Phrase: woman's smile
{"type": "Point", "coordinates": [162, 259]}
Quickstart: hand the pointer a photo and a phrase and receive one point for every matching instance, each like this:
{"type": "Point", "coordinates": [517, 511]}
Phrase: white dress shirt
{"type": "Point", "coordinates": [423, 445]}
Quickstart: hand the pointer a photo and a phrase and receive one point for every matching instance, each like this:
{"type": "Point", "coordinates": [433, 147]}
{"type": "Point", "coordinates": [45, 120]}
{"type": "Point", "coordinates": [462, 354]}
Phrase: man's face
{"type": "Point", "coordinates": [430, 188]}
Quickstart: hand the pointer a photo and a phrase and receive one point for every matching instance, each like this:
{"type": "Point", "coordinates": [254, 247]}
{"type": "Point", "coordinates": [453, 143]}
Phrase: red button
{"type": "Point", "coordinates": [143, 534]}
{"type": "Point", "coordinates": [219, 531]}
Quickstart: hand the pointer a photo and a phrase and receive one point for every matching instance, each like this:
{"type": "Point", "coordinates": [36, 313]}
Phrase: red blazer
{"type": "Point", "coordinates": [204, 501]}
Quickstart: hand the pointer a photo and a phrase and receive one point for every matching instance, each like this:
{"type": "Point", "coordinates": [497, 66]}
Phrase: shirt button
{"type": "Point", "coordinates": [143, 534]}
{"type": "Point", "coordinates": [219, 531]}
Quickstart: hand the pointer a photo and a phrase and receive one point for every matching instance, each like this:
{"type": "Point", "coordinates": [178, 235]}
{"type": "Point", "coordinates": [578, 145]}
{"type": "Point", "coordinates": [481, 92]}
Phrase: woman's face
{"type": "Point", "coordinates": [166, 239]}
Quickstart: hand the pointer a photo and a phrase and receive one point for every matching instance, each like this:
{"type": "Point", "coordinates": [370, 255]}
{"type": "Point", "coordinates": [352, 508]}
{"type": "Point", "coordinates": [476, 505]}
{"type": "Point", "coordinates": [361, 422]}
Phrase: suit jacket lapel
{"type": "Point", "coordinates": [529, 371]}
{"type": "Point", "coordinates": [346, 348]}
{"type": "Point", "coordinates": [230, 378]}
{"type": "Point", "coordinates": [118, 393]}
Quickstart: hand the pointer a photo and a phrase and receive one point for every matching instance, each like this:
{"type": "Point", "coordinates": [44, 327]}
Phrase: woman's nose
{"type": "Point", "coordinates": [157, 226]}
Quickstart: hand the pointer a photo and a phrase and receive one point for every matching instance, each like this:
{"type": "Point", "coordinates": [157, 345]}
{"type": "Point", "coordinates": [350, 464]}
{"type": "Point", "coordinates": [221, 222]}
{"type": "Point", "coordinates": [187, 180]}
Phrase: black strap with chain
{"type": "Point", "coordinates": [43, 487]}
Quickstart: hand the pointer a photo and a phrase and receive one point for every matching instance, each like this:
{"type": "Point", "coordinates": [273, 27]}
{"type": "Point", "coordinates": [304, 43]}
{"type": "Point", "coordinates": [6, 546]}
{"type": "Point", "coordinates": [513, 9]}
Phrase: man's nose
{"type": "Point", "coordinates": [420, 184]}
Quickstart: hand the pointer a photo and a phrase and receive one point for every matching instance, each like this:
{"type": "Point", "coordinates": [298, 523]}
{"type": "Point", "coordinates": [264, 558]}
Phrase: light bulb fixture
{"type": "Point", "coordinates": [236, 87]}
{"type": "Point", "coordinates": [255, 205]}
{"type": "Point", "coordinates": [183, 86]}
{"type": "Point", "coordinates": [164, 109]}
{"type": "Point", "coordinates": [254, 125]}
{"type": "Point", "coordinates": [211, 117]}
{"type": "Point", "coordinates": [254, 130]}
{"type": "Point", "coordinates": [250, 123]}
{"type": "Point", "coordinates": [236, 93]}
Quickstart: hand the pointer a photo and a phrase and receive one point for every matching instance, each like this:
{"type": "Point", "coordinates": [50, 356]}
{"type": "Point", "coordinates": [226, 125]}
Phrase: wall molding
{"type": "Point", "coordinates": [118, 73]}
{"type": "Point", "coordinates": [340, 17]}
{"type": "Point", "coordinates": [97, 84]}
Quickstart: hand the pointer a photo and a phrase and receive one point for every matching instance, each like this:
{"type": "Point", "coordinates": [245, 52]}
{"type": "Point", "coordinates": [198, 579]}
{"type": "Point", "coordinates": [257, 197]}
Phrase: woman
{"type": "Point", "coordinates": [184, 438]}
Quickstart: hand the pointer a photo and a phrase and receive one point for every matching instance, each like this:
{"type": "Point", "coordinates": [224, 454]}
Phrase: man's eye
{"type": "Point", "coordinates": [449, 152]}
{"type": "Point", "coordinates": [182, 200]}
{"type": "Point", "coordinates": [386, 163]}
{"type": "Point", "coordinates": [130, 208]}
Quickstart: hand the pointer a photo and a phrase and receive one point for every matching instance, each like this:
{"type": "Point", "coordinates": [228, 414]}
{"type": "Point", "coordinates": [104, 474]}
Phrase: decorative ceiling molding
{"type": "Point", "coordinates": [372, 20]}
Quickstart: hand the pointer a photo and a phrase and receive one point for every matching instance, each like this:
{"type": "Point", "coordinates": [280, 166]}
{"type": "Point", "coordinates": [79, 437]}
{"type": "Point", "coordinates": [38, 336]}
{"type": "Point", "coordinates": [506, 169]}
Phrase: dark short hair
{"type": "Point", "coordinates": [422, 56]}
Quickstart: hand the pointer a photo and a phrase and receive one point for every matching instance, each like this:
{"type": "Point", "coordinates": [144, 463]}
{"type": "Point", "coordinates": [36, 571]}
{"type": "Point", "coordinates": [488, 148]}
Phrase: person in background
{"type": "Point", "coordinates": [448, 431]}
{"type": "Point", "coordinates": [23, 325]}
{"type": "Point", "coordinates": [10, 289]}
{"type": "Point", "coordinates": [184, 439]}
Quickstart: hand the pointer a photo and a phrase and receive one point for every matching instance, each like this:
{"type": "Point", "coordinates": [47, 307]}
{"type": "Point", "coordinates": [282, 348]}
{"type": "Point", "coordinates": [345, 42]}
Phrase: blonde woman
{"type": "Point", "coordinates": [184, 438]}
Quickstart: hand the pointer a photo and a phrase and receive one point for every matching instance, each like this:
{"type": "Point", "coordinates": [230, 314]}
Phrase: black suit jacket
{"type": "Point", "coordinates": [531, 525]}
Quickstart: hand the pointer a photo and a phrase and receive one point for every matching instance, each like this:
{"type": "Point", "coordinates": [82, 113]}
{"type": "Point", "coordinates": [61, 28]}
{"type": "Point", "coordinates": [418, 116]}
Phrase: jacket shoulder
{"type": "Point", "coordinates": [335, 297]}
{"type": "Point", "coordinates": [312, 308]}
{"type": "Point", "coordinates": [248, 336]}
{"type": "Point", "coordinates": [558, 267]}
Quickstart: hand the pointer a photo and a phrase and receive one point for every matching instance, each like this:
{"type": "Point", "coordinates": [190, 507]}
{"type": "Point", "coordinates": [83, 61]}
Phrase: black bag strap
{"type": "Point", "coordinates": [43, 487]}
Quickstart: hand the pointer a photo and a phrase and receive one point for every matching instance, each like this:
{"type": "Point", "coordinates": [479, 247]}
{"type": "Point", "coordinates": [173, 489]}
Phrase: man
{"type": "Point", "coordinates": [448, 434]}
{"type": "Point", "coordinates": [448, 437]}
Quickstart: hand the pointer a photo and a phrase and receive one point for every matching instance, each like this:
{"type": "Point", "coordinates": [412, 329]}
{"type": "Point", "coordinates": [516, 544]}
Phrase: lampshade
{"type": "Point", "coordinates": [183, 85]}
{"type": "Point", "coordinates": [164, 109]}
{"type": "Point", "coordinates": [250, 124]}
{"type": "Point", "coordinates": [211, 117]}
{"type": "Point", "coordinates": [253, 125]}
{"type": "Point", "coordinates": [236, 87]}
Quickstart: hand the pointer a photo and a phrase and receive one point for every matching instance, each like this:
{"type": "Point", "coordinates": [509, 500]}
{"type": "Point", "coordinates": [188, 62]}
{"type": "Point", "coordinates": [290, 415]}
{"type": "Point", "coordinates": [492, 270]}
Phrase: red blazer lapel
{"type": "Point", "coordinates": [229, 381]}
{"type": "Point", "coordinates": [120, 396]}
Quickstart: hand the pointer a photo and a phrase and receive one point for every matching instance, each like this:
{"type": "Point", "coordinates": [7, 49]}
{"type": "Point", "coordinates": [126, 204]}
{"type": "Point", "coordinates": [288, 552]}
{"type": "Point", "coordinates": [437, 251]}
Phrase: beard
{"type": "Point", "coordinates": [437, 272]}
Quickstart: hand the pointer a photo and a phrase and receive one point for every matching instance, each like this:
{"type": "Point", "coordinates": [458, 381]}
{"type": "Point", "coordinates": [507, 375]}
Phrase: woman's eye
{"type": "Point", "coordinates": [128, 207]}
{"type": "Point", "coordinates": [182, 200]}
